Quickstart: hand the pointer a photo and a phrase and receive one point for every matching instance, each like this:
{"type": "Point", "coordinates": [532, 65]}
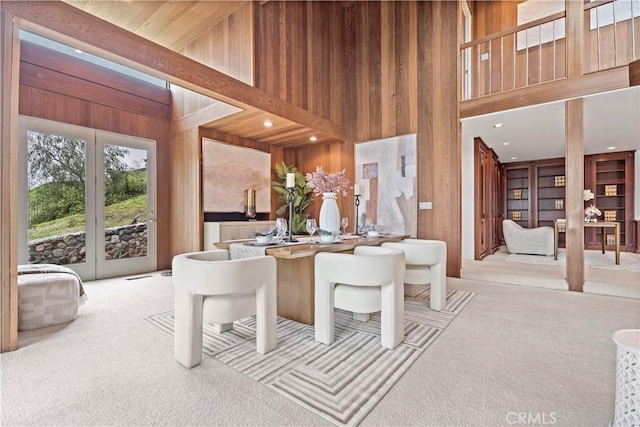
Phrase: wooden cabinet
{"type": "Point", "coordinates": [610, 177]}
{"type": "Point", "coordinates": [488, 200]}
{"type": "Point", "coordinates": [535, 192]}
{"type": "Point", "coordinates": [517, 193]}
{"type": "Point", "coordinates": [535, 195]}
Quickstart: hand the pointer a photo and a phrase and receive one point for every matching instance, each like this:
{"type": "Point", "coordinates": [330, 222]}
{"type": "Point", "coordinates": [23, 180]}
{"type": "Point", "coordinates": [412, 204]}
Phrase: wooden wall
{"type": "Point", "coordinates": [226, 47]}
{"type": "Point", "coordinates": [397, 76]}
{"type": "Point", "coordinates": [10, 53]}
{"type": "Point", "coordinates": [64, 89]}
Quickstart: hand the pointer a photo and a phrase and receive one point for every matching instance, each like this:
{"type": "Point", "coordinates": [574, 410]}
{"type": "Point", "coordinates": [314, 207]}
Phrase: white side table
{"type": "Point", "coordinates": [627, 409]}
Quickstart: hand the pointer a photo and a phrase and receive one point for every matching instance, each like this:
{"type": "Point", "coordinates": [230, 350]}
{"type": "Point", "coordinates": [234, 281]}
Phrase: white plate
{"type": "Point", "coordinates": [330, 243]}
{"type": "Point", "coordinates": [261, 244]}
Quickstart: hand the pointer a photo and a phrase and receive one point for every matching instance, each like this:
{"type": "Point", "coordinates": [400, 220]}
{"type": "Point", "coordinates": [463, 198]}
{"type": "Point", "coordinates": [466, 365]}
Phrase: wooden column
{"type": "Point", "coordinates": [575, 38]}
{"type": "Point", "coordinates": [10, 51]}
{"type": "Point", "coordinates": [574, 170]}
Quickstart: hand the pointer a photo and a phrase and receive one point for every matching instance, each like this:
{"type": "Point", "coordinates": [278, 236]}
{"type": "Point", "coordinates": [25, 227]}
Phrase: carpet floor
{"type": "Point", "coordinates": [340, 382]}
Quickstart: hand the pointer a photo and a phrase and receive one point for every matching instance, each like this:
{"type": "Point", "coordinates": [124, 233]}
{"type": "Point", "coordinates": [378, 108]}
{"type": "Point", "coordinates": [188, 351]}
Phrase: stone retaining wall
{"type": "Point", "coordinates": [129, 241]}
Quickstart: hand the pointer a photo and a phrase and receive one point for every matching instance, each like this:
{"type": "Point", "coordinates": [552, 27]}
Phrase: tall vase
{"type": "Point", "coordinates": [329, 212]}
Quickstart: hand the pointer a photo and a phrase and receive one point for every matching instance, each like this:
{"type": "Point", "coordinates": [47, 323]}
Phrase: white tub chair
{"type": "Point", "coordinates": [367, 281]}
{"type": "Point", "coordinates": [534, 241]}
{"type": "Point", "coordinates": [426, 264]}
{"type": "Point", "coordinates": [213, 289]}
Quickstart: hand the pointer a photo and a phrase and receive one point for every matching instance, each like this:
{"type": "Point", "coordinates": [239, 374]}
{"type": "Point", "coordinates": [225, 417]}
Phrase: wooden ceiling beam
{"type": "Point", "coordinates": [114, 43]}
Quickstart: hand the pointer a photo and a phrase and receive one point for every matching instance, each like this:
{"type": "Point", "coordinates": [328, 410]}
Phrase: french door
{"type": "Point", "coordinates": [87, 200]}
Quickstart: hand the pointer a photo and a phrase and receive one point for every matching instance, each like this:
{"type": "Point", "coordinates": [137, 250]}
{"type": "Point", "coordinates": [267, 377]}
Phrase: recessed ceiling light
{"type": "Point", "coordinates": [268, 123]}
{"type": "Point", "coordinates": [611, 148]}
{"type": "Point", "coordinates": [313, 138]}
{"type": "Point", "coordinates": [513, 158]}
{"type": "Point", "coordinates": [78, 51]}
{"type": "Point", "coordinates": [506, 143]}
{"type": "Point", "coordinates": [497, 125]}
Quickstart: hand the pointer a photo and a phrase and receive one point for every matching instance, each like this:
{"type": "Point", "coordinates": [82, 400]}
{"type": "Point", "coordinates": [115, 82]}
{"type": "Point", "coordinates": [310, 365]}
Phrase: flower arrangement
{"type": "Point", "coordinates": [323, 182]}
{"type": "Point", "coordinates": [587, 195]}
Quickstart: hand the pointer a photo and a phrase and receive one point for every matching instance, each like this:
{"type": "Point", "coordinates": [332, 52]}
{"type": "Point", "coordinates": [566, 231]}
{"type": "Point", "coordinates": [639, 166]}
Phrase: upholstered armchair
{"type": "Point", "coordinates": [213, 289]}
{"type": "Point", "coordinates": [520, 240]}
{"type": "Point", "coordinates": [367, 281]}
{"type": "Point", "coordinates": [426, 264]}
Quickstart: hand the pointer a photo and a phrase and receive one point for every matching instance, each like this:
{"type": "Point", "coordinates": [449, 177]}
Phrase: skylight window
{"type": "Point", "coordinates": [77, 53]}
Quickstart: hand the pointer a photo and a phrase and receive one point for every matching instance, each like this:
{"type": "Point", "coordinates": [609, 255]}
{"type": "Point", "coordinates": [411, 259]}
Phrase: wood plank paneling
{"type": "Point", "coordinates": [53, 98]}
{"type": "Point", "coordinates": [186, 216]}
{"type": "Point", "coordinates": [10, 51]}
{"type": "Point", "coordinates": [399, 62]}
{"type": "Point", "coordinates": [226, 47]}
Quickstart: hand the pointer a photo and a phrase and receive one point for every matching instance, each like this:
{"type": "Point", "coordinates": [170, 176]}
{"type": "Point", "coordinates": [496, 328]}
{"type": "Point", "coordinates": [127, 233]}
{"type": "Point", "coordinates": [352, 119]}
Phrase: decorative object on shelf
{"type": "Point", "coordinates": [591, 213]}
{"type": "Point", "coordinates": [250, 203]}
{"type": "Point", "coordinates": [610, 190]}
{"type": "Point", "coordinates": [610, 216]}
{"type": "Point", "coordinates": [610, 240]}
{"type": "Point", "coordinates": [559, 181]}
{"type": "Point", "coordinates": [516, 216]}
{"type": "Point", "coordinates": [329, 185]}
{"type": "Point", "coordinates": [559, 204]}
{"type": "Point", "coordinates": [517, 194]}
{"type": "Point", "coordinates": [301, 193]}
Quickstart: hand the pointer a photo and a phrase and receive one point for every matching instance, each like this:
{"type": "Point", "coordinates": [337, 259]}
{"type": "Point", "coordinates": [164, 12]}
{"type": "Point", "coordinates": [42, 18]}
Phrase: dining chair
{"type": "Point", "coordinates": [426, 264]}
{"type": "Point", "coordinates": [367, 281]}
{"type": "Point", "coordinates": [211, 288]}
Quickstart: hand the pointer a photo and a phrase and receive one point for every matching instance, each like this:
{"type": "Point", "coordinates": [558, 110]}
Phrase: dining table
{"type": "Point", "coordinates": [296, 267]}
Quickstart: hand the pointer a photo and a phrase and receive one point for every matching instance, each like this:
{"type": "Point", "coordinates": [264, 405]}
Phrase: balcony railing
{"type": "Point", "coordinates": [535, 52]}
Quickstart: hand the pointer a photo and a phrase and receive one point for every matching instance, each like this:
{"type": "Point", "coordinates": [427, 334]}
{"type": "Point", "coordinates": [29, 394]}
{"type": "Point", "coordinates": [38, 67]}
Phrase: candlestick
{"type": "Point", "coordinates": [290, 199]}
{"type": "Point", "coordinates": [291, 180]}
{"type": "Point", "coordinates": [357, 201]}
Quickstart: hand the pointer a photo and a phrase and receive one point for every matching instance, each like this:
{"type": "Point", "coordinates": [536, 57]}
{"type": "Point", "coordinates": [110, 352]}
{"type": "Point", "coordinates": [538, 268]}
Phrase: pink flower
{"type": "Point", "coordinates": [323, 182]}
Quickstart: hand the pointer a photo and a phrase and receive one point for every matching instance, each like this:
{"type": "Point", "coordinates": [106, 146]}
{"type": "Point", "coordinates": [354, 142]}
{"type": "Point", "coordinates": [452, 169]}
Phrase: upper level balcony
{"type": "Point", "coordinates": [536, 52]}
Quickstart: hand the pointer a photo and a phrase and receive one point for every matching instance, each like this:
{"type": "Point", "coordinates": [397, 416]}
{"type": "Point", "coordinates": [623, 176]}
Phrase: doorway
{"type": "Point", "coordinates": [87, 199]}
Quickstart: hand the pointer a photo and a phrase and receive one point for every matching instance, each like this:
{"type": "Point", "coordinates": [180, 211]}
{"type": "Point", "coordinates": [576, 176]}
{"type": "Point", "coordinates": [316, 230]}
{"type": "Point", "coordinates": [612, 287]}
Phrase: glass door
{"type": "Point", "coordinates": [87, 200]}
{"type": "Point", "coordinates": [125, 205]}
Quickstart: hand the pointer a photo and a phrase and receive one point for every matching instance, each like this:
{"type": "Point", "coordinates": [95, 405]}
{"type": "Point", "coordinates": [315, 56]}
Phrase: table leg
{"type": "Point", "coordinates": [617, 243]}
{"type": "Point", "coordinates": [604, 235]}
{"type": "Point", "coordinates": [555, 241]}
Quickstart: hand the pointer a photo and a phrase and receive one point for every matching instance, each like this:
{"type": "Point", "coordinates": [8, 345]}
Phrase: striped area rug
{"type": "Point", "coordinates": [341, 382]}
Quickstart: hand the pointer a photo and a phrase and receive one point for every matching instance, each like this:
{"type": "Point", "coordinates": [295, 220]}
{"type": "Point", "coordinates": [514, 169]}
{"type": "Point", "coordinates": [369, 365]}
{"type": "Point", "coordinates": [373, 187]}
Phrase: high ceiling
{"type": "Point", "coordinates": [171, 24]}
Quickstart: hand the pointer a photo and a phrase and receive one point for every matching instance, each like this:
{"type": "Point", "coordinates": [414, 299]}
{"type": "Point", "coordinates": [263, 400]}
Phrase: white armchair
{"type": "Point", "coordinates": [213, 289]}
{"type": "Point", "coordinates": [426, 264]}
{"type": "Point", "coordinates": [367, 281]}
{"type": "Point", "coordinates": [520, 240]}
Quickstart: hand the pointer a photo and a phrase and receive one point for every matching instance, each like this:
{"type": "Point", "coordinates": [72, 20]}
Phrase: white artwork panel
{"type": "Point", "coordinates": [228, 170]}
{"type": "Point", "coordinates": [386, 171]}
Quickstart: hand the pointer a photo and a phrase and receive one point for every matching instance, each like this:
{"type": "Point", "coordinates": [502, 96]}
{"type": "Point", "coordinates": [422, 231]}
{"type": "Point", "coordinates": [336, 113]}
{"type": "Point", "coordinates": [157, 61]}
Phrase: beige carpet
{"type": "Point", "coordinates": [513, 349]}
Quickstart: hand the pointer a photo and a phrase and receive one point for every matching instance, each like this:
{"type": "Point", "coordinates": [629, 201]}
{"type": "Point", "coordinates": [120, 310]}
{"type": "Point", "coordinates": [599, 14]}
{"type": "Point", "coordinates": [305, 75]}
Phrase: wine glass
{"type": "Point", "coordinates": [311, 227]}
{"type": "Point", "coordinates": [281, 226]}
{"type": "Point", "coordinates": [344, 222]}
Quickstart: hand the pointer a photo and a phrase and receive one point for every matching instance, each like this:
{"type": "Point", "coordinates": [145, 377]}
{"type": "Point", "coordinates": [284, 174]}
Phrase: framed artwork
{"type": "Point", "coordinates": [386, 171]}
{"type": "Point", "coordinates": [228, 170]}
